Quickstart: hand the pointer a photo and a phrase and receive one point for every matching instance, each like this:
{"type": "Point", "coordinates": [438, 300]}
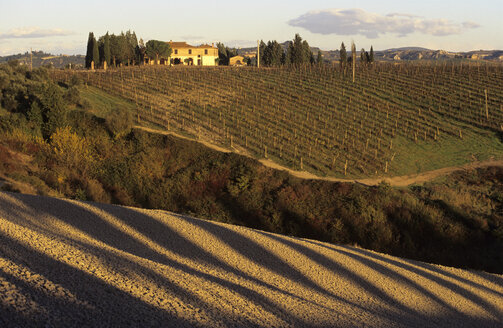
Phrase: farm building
{"type": "Point", "coordinates": [237, 61]}
{"type": "Point", "coordinates": [186, 54]}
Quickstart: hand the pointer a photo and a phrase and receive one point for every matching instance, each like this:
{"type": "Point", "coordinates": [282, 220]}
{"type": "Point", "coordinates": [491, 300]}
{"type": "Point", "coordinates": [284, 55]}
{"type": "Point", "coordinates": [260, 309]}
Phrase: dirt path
{"type": "Point", "coordinates": [397, 181]}
{"type": "Point", "coordinates": [66, 263]}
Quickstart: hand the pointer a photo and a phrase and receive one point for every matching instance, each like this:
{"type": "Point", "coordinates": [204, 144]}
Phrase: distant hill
{"type": "Point", "coordinates": [41, 58]}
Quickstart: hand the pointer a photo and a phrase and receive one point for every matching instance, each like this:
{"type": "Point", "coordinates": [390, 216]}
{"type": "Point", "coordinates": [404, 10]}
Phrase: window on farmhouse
{"type": "Point", "coordinates": [176, 51]}
{"type": "Point", "coordinates": [190, 51]}
{"type": "Point", "coordinates": [205, 51]}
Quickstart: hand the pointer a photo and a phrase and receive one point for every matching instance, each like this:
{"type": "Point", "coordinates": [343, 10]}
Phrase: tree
{"type": "Point", "coordinates": [353, 59]}
{"type": "Point", "coordinates": [362, 56]}
{"type": "Point", "coordinates": [319, 58]}
{"type": "Point", "coordinates": [96, 53]}
{"type": "Point", "coordinates": [272, 54]}
{"type": "Point", "coordinates": [157, 49]}
{"type": "Point", "coordinates": [140, 51]}
{"type": "Point", "coordinates": [90, 50]}
{"type": "Point", "coordinates": [343, 55]}
{"type": "Point", "coordinates": [261, 48]}
{"type": "Point", "coordinates": [308, 57]}
{"type": "Point", "coordinates": [106, 49]}
{"type": "Point", "coordinates": [276, 52]}
{"type": "Point", "coordinates": [371, 55]}
{"type": "Point", "coordinates": [131, 42]}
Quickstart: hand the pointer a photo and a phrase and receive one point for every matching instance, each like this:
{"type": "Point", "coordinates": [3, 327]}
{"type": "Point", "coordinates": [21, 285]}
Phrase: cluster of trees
{"type": "Point", "coordinates": [123, 49]}
{"type": "Point", "coordinates": [297, 52]}
{"type": "Point", "coordinates": [365, 57]}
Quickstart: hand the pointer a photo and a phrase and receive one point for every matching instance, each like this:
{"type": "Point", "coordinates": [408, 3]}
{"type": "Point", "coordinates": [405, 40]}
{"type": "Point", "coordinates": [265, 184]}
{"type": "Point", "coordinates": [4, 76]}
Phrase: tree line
{"type": "Point", "coordinates": [295, 52]}
{"type": "Point", "coordinates": [123, 49]}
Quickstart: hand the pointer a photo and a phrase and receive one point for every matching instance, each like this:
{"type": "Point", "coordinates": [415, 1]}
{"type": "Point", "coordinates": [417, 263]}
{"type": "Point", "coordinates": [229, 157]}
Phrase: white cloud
{"type": "Point", "coordinates": [358, 21]}
{"type": "Point", "coordinates": [33, 32]}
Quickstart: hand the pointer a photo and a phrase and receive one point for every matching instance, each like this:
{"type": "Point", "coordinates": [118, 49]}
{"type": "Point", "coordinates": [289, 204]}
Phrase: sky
{"type": "Point", "coordinates": [62, 27]}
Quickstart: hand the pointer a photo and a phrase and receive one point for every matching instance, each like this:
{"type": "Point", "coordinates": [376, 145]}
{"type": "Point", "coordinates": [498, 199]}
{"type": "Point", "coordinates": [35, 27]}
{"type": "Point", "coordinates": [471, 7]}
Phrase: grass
{"type": "Point", "coordinates": [476, 145]}
{"type": "Point", "coordinates": [103, 103]}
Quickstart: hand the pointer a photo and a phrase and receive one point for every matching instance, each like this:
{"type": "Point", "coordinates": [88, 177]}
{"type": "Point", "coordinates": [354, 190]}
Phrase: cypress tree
{"type": "Point", "coordinates": [319, 59]}
{"type": "Point", "coordinates": [89, 53]}
{"type": "Point", "coordinates": [96, 53]}
{"type": "Point", "coordinates": [371, 55]}
{"type": "Point", "coordinates": [344, 55]}
{"type": "Point", "coordinates": [106, 49]}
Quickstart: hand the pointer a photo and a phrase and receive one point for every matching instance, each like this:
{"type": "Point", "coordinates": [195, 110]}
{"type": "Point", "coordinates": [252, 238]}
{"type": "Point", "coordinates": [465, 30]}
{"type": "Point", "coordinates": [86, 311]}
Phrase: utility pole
{"type": "Point", "coordinates": [258, 54]}
{"type": "Point", "coordinates": [31, 59]}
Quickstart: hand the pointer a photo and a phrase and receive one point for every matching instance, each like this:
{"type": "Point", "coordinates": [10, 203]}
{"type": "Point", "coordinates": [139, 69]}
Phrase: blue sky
{"type": "Point", "coordinates": [63, 26]}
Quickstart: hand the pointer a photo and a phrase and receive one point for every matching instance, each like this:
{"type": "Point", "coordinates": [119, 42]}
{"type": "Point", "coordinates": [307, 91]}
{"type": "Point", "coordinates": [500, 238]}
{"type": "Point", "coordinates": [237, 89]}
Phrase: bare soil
{"type": "Point", "coordinates": [66, 263]}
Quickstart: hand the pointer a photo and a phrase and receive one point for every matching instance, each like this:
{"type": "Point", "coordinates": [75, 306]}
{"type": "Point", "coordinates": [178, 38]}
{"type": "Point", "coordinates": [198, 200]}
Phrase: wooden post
{"type": "Point", "coordinates": [487, 108]}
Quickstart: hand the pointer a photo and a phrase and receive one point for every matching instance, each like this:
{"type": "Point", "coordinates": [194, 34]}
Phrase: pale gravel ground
{"type": "Point", "coordinates": [75, 264]}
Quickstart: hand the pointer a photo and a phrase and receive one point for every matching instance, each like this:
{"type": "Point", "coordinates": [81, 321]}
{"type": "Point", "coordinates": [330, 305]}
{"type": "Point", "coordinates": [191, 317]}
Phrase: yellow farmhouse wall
{"type": "Point", "coordinates": [201, 55]}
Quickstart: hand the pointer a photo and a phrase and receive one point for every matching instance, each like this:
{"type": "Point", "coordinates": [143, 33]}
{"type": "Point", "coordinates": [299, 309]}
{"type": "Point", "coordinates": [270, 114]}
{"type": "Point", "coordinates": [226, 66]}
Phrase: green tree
{"type": "Point", "coordinates": [274, 53]}
{"type": "Point", "coordinates": [96, 53]}
{"type": "Point", "coordinates": [319, 58]}
{"type": "Point", "coordinates": [223, 58]}
{"type": "Point", "coordinates": [106, 49]}
{"type": "Point", "coordinates": [308, 57]}
{"type": "Point", "coordinates": [140, 51]}
{"type": "Point", "coordinates": [130, 48]}
{"type": "Point", "coordinates": [343, 55]}
{"type": "Point", "coordinates": [298, 54]}
{"type": "Point", "coordinates": [362, 56]}
{"type": "Point", "coordinates": [52, 108]}
{"type": "Point", "coordinates": [371, 55]}
{"type": "Point", "coordinates": [262, 47]}
{"type": "Point", "coordinates": [90, 50]}
{"type": "Point", "coordinates": [157, 49]}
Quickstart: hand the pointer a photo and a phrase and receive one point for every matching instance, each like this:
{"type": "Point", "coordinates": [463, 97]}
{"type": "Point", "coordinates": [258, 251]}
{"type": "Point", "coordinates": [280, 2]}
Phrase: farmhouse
{"type": "Point", "coordinates": [186, 54]}
{"type": "Point", "coordinates": [237, 61]}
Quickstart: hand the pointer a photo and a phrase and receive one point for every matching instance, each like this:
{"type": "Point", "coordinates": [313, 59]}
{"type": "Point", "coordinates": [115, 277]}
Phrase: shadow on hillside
{"type": "Point", "coordinates": [95, 226]}
{"type": "Point", "coordinates": [125, 239]}
{"type": "Point", "coordinates": [427, 271]}
{"type": "Point", "coordinates": [119, 308]}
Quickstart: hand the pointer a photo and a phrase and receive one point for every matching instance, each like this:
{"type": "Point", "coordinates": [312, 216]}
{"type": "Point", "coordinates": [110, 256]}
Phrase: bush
{"type": "Point", "coordinates": [119, 122]}
{"type": "Point", "coordinates": [75, 80]}
{"type": "Point", "coordinates": [72, 96]}
{"type": "Point", "coordinates": [71, 151]}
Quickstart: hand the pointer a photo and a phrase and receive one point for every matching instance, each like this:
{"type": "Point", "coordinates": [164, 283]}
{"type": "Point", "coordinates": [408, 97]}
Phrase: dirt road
{"type": "Point", "coordinates": [75, 264]}
{"type": "Point", "coordinates": [397, 181]}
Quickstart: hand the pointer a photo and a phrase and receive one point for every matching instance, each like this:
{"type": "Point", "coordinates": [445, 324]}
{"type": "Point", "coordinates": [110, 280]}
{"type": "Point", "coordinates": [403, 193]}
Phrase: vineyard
{"type": "Point", "coordinates": [316, 118]}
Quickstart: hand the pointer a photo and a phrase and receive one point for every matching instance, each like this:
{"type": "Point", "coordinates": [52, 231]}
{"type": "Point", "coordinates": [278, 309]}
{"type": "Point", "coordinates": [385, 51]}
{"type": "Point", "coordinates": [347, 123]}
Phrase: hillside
{"type": "Point", "coordinates": [69, 263]}
{"type": "Point", "coordinates": [394, 120]}
{"type": "Point", "coordinates": [41, 58]}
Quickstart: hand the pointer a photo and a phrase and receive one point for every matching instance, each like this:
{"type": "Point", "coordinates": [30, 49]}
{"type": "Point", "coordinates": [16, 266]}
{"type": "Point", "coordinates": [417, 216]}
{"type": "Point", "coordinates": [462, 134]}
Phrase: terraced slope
{"type": "Point", "coordinates": [67, 263]}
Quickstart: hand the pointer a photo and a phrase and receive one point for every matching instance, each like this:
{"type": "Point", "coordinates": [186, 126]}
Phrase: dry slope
{"type": "Point", "coordinates": [67, 263]}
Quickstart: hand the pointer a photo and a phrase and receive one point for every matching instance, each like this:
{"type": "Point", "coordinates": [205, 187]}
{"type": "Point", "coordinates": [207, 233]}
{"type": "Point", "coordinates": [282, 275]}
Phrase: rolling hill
{"type": "Point", "coordinates": [70, 263]}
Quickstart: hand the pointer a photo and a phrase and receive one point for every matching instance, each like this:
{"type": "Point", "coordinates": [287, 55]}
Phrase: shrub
{"type": "Point", "coordinates": [119, 122]}
{"type": "Point", "coordinates": [72, 96]}
{"type": "Point", "coordinates": [71, 150]}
